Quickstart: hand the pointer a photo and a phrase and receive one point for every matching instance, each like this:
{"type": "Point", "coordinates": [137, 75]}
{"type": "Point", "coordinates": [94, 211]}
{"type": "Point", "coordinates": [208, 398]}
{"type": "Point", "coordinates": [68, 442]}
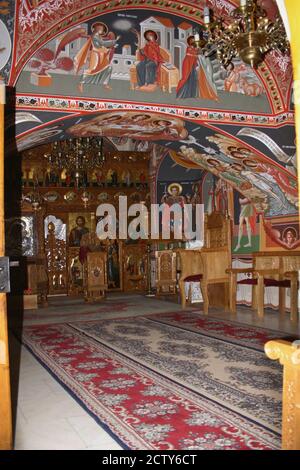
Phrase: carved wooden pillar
{"type": "Point", "coordinates": [5, 396]}
{"type": "Point", "coordinates": [288, 355]}
{"type": "Point", "coordinates": [56, 255]}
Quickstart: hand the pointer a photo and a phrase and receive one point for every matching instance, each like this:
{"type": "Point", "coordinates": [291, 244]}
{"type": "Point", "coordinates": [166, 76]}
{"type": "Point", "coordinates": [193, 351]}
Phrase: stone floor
{"type": "Point", "coordinates": [47, 417]}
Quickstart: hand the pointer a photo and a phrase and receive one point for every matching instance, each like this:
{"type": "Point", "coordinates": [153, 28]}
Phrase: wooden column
{"type": "Point", "coordinates": [288, 355]}
{"type": "Point", "coordinates": [293, 16]}
{"type": "Point", "coordinates": [5, 397]}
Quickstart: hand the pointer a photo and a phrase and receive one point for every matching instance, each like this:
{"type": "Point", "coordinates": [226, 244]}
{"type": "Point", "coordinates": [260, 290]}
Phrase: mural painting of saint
{"type": "Point", "coordinates": [286, 236]}
{"type": "Point", "coordinates": [171, 197]}
{"type": "Point", "coordinates": [78, 231]}
{"type": "Point", "coordinates": [149, 66]}
{"type": "Point", "coordinates": [98, 51]}
{"type": "Point", "coordinates": [290, 236]}
{"type": "Point", "coordinates": [113, 264]}
{"type": "Point", "coordinates": [197, 75]}
{"type": "Point", "coordinates": [247, 216]}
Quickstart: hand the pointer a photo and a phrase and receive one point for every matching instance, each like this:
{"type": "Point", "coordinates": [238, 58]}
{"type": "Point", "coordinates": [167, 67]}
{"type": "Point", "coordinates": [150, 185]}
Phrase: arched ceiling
{"type": "Point", "coordinates": [39, 22]}
{"type": "Point", "coordinates": [269, 181]}
{"type": "Point", "coordinates": [253, 109]}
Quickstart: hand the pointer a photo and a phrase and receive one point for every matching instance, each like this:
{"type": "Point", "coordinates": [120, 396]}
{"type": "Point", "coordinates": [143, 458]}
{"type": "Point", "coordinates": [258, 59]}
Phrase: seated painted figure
{"type": "Point", "coordinates": [151, 60]}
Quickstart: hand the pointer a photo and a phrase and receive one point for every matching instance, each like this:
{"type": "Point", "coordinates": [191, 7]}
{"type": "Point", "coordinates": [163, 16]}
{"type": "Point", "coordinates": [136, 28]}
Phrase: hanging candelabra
{"type": "Point", "coordinates": [77, 156]}
{"type": "Point", "coordinates": [249, 36]}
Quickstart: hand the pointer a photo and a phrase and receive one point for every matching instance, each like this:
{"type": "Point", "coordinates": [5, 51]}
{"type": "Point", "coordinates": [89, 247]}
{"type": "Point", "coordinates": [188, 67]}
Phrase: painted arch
{"type": "Point", "coordinates": [269, 183]}
{"type": "Point", "coordinates": [253, 112]}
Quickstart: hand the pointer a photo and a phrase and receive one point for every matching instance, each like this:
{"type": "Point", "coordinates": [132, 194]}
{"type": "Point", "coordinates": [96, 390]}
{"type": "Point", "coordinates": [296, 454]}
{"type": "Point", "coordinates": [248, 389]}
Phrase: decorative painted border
{"type": "Point", "coordinates": [86, 105]}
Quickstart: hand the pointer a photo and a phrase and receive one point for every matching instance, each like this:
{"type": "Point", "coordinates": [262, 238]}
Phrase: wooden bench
{"type": "Point", "coordinates": [270, 269]}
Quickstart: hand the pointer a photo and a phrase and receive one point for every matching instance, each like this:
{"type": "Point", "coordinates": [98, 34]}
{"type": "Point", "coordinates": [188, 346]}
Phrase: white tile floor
{"type": "Point", "coordinates": [49, 418]}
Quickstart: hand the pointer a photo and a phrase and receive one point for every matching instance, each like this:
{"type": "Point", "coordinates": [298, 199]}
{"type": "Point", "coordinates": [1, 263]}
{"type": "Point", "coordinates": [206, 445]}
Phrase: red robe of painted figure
{"type": "Point", "coordinates": [151, 51]}
{"type": "Point", "coordinates": [188, 65]}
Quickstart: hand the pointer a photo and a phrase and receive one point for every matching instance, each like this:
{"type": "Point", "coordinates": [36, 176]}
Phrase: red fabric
{"type": "Point", "coordinates": [152, 51]}
{"type": "Point", "coordinates": [189, 63]}
{"type": "Point", "coordinates": [83, 251]}
{"type": "Point", "coordinates": [248, 282]}
{"type": "Point", "coordinates": [267, 282]}
{"type": "Point", "coordinates": [284, 182]}
{"type": "Point", "coordinates": [252, 221]}
{"type": "Point", "coordinates": [194, 278]}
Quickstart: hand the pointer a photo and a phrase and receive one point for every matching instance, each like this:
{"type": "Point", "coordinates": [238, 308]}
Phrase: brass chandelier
{"type": "Point", "coordinates": [77, 156]}
{"type": "Point", "coordinates": [249, 36]}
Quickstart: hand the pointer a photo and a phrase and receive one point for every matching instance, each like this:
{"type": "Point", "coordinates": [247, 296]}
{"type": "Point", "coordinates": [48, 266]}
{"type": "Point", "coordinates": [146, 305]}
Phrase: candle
{"type": "Point", "coordinates": [197, 37]}
{"type": "Point", "coordinates": [243, 3]}
{"type": "Point", "coordinates": [206, 15]}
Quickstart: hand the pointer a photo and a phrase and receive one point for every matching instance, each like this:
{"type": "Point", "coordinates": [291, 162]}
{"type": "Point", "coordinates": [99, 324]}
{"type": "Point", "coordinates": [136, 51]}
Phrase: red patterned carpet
{"type": "Point", "coordinates": [170, 380]}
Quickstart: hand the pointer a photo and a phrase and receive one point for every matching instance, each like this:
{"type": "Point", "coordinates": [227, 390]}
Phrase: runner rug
{"type": "Point", "coordinates": [170, 380]}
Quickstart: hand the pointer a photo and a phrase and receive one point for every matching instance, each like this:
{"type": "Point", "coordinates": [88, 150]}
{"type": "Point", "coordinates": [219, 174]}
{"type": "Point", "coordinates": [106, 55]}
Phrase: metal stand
{"type": "Point", "coordinates": [149, 288]}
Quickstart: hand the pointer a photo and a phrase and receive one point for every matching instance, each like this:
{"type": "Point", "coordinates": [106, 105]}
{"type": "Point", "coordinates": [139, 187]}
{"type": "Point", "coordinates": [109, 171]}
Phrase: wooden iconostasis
{"type": "Point", "coordinates": [67, 220]}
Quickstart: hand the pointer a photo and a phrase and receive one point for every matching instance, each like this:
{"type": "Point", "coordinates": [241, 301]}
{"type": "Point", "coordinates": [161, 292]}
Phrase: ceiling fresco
{"type": "Point", "coordinates": [63, 66]}
{"type": "Point", "coordinates": [65, 26]}
{"type": "Point", "coordinates": [278, 143]}
{"type": "Point", "coordinates": [238, 124]}
{"type": "Point", "coordinates": [271, 186]}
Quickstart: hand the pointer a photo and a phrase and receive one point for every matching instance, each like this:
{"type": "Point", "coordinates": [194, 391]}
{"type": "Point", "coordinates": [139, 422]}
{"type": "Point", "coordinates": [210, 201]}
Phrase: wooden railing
{"type": "Point", "coordinates": [288, 355]}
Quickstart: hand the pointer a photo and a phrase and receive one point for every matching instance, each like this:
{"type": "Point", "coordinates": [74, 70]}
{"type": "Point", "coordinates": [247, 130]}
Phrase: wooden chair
{"type": "Point", "coordinates": [288, 355]}
{"type": "Point", "coordinates": [209, 265]}
{"type": "Point", "coordinates": [95, 279]}
{"type": "Point", "coordinates": [270, 269]}
{"type": "Point", "coordinates": [37, 280]}
{"type": "Point", "coordinates": [135, 267]}
{"type": "Point", "coordinates": [168, 76]}
{"type": "Point", "coordinates": [166, 282]}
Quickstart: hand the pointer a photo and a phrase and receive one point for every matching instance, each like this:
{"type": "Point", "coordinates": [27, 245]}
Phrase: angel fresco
{"type": "Point", "coordinates": [97, 53]}
{"type": "Point", "coordinates": [279, 188]}
{"type": "Point", "coordinates": [290, 161]}
{"type": "Point", "coordinates": [197, 75]}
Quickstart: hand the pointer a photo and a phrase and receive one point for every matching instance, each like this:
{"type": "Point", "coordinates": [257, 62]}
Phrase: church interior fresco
{"type": "Point", "coordinates": [242, 132]}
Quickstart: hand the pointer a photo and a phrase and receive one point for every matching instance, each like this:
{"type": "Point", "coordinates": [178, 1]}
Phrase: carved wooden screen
{"type": "Point", "coordinates": [166, 271]}
{"type": "Point", "coordinates": [56, 255]}
{"type": "Point", "coordinates": [95, 275]}
{"type": "Point", "coordinates": [135, 267]}
{"type": "Point", "coordinates": [217, 231]}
